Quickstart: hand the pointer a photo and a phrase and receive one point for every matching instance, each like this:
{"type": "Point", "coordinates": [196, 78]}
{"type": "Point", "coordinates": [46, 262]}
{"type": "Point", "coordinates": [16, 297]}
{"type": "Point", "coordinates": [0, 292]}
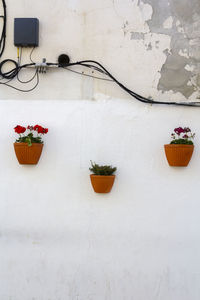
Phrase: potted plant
{"type": "Point", "coordinates": [28, 147]}
{"type": "Point", "coordinates": [102, 178]}
{"type": "Point", "coordinates": [179, 151]}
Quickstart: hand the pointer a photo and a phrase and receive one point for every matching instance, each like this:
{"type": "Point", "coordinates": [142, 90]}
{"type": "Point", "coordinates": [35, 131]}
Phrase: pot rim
{"type": "Point", "coordinates": [178, 145]}
{"type": "Point", "coordinates": [26, 144]}
{"type": "Point", "coordinates": [93, 175]}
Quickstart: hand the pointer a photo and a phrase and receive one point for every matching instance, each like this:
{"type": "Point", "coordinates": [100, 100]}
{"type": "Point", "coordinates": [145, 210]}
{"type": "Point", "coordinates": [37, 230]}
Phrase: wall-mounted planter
{"type": "Point", "coordinates": [102, 184]}
{"type": "Point", "coordinates": [28, 155]}
{"type": "Point", "coordinates": [178, 155]}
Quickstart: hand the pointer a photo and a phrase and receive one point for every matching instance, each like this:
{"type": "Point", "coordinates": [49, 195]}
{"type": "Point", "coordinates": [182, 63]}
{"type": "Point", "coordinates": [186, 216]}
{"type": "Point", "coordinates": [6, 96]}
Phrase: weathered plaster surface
{"type": "Point", "coordinates": [181, 21]}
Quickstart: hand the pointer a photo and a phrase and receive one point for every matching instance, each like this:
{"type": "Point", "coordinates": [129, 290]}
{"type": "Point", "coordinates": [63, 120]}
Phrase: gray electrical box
{"type": "Point", "coordinates": [26, 32]}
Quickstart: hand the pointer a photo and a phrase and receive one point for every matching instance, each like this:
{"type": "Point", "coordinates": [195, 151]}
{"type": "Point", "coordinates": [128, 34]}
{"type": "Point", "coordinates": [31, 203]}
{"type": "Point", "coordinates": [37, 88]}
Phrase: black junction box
{"type": "Point", "coordinates": [26, 32]}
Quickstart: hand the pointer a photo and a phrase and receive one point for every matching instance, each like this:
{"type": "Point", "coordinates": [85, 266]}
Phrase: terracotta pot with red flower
{"type": "Point", "coordinates": [28, 147]}
{"type": "Point", "coordinates": [102, 178]}
{"type": "Point", "coordinates": [179, 151]}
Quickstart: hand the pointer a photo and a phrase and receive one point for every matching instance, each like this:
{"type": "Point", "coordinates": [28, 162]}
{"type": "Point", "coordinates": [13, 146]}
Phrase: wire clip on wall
{"type": "Point", "coordinates": [41, 67]}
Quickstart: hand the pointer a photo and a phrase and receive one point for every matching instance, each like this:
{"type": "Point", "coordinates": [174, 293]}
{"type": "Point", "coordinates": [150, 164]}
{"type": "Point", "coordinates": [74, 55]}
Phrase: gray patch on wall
{"type": "Point", "coordinates": [137, 36]}
{"type": "Point", "coordinates": [185, 43]}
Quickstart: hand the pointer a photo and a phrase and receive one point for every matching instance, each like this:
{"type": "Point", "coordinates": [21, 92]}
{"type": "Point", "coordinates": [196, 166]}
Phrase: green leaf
{"type": "Point", "coordinates": [28, 141]}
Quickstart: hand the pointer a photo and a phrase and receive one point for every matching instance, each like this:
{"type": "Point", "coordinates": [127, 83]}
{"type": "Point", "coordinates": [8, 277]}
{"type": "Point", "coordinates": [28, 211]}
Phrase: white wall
{"type": "Point", "coordinates": [58, 239]}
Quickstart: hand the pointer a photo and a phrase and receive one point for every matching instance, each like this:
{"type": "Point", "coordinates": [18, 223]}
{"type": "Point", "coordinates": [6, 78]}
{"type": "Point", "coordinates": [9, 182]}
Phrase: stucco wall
{"type": "Point", "coordinates": [58, 239]}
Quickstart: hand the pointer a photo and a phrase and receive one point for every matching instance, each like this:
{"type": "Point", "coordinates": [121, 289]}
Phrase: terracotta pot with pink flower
{"type": "Point", "coordinates": [179, 151]}
{"type": "Point", "coordinates": [28, 147]}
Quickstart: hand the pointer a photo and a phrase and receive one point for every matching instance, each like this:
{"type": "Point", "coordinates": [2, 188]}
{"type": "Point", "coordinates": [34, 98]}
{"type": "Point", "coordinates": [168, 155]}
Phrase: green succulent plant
{"type": "Point", "coordinates": [102, 170]}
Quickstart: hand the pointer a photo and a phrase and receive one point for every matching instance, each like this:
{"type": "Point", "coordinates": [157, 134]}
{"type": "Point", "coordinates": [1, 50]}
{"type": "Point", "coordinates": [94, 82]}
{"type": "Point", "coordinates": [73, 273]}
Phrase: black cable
{"type": "Point", "coordinates": [30, 56]}
{"type": "Point", "coordinates": [6, 81]}
{"type": "Point", "coordinates": [29, 80]}
{"type": "Point", "coordinates": [3, 33]}
{"type": "Point", "coordinates": [10, 75]}
{"type": "Point", "coordinates": [92, 65]}
{"type": "Point", "coordinates": [83, 63]}
{"type": "Point", "coordinates": [13, 72]}
{"type": "Point", "coordinates": [87, 63]}
{"type": "Point", "coordinates": [21, 90]}
{"type": "Point", "coordinates": [19, 63]}
{"type": "Point", "coordinates": [123, 87]}
{"type": "Point", "coordinates": [137, 96]}
{"type": "Point", "coordinates": [81, 73]}
{"type": "Point", "coordinates": [94, 68]}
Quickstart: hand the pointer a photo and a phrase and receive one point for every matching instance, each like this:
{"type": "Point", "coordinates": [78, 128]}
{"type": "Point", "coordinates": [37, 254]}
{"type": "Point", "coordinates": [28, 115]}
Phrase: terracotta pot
{"type": "Point", "coordinates": [178, 155]}
{"type": "Point", "coordinates": [102, 184]}
{"type": "Point", "coordinates": [28, 155]}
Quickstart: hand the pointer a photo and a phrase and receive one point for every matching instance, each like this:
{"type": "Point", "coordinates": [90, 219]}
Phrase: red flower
{"type": "Point", "coordinates": [30, 127]}
{"type": "Point", "coordinates": [40, 129]}
{"type": "Point", "coordinates": [20, 129]}
{"type": "Point", "coordinates": [35, 127]}
{"type": "Point", "coordinates": [45, 130]}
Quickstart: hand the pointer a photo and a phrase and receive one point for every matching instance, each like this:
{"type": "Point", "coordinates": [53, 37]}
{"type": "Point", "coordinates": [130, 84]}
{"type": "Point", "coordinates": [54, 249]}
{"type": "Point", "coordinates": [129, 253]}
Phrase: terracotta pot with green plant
{"type": "Point", "coordinates": [179, 151]}
{"type": "Point", "coordinates": [28, 147]}
{"type": "Point", "coordinates": [102, 178]}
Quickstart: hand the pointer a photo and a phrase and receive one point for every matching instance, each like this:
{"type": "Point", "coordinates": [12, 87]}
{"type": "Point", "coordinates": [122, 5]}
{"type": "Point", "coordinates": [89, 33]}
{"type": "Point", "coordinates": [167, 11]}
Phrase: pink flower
{"type": "Point", "coordinates": [187, 129]}
{"type": "Point", "coordinates": [179, 130]}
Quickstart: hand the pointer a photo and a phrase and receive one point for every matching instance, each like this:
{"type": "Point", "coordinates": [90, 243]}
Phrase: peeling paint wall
{"type": "Point", "coordinates": [180, 21]}
{"type": "Point", "coordinates": [152, 46]}
{"type": "Point", "coordinates": [58, 239]}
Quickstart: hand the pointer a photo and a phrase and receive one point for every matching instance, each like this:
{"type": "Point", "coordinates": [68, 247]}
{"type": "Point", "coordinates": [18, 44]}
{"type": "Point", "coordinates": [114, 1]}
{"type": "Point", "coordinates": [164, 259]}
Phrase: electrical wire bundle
{"type": "Point", "coordinates": [14, 73]}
